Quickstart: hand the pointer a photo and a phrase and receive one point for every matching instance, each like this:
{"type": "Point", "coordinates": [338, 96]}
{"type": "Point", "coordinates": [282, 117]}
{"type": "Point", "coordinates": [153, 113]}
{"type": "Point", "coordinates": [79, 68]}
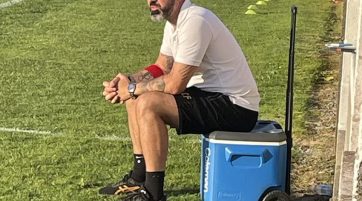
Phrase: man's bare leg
{"type": "Point", "coordinates": [133, 126]}
{"type": "Point", "coordinates": [139, 165]}
{"type": "Point", "coordinates": [155, 111]}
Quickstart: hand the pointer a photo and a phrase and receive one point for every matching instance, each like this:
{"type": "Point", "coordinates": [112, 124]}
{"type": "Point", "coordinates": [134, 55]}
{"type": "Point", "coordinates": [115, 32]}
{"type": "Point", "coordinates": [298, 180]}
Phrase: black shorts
{"type": "Point", "coordinates": [202, 112]}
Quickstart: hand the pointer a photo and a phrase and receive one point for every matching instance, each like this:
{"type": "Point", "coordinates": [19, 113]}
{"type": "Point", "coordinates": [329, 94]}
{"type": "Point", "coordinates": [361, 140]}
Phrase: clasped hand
{"type": "Point", "coordinates": [116, 90]}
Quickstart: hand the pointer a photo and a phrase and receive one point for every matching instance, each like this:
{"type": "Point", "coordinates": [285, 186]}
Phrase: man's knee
{"type": "Point", "coordinates": [157, 106]}
{"type": "Point", "coordinates": [131, 105]}
{"type": "Point", "coordinates": [149, 103]}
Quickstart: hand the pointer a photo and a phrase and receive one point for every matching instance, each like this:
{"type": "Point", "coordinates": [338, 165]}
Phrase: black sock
{"type": "Point", "coordinates": [139, 168]}
{"type": "Point", "coordinates": [154, 184]}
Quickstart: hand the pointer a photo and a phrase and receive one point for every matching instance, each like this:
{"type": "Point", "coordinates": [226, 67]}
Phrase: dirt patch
{"type": "Point", "coordinates": [316, 149]}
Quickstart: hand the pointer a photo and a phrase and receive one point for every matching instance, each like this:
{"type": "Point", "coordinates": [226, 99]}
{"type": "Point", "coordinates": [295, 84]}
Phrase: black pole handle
{"type": "Point", "coordinates": [289, 98]}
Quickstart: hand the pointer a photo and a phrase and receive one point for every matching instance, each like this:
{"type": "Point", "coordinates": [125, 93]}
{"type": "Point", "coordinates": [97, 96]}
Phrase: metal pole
{"type": "Point", "coordinates": [289, 98]}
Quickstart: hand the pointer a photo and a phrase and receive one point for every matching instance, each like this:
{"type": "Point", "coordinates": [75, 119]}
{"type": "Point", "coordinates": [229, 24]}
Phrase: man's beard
{"type": "Point", "coordinates": [161, 13]}
{"type": "Point", "coordinates": [157, 16]}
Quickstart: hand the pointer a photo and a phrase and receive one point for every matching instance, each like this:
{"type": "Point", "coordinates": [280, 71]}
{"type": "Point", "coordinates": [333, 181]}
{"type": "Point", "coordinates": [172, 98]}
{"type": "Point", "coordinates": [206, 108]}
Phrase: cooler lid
{"type": "Point", "coordinates": [264, 131]}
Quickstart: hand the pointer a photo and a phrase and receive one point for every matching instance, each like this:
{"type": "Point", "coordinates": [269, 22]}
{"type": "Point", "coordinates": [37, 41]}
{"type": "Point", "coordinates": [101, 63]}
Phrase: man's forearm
{"type": "Point", "coordinates": [145, 78]}
{"type": "Point", "coordinates": [174, 82]}
{"type": "Point", "coordinates": [157, 84]}
{"type": "Point", "coordinates": [164, 61]}
{"type": "Point", "coordinates": [141, 76]}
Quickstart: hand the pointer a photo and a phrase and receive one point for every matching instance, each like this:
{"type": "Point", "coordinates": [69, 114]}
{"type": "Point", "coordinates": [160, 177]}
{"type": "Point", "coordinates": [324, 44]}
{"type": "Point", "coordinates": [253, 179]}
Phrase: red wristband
{"type": "Point", "coordinates": [155, 70]}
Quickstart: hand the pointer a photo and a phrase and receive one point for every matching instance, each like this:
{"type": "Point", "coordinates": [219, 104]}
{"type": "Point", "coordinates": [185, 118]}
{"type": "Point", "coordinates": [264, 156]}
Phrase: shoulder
{"type": "Point", "coordinates": [196, 15]}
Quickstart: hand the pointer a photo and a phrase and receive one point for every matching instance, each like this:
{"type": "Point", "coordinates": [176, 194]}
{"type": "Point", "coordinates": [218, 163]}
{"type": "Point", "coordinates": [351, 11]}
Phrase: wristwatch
{"type": "Point", "coordinates": [132, 89]}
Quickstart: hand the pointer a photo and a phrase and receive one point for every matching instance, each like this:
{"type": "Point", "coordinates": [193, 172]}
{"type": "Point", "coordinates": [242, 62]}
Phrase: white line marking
{"type": "Point", "coordinates": [106, 138]}
{"type": "Point", "coordinates": [114, 138]}
{"type": "Point", "coordinates": [18, 130]}
{"type": "Point", "coordinates": [9, 3]}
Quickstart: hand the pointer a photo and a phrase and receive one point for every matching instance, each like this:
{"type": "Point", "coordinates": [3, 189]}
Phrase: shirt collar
{"type": "Point", "coordinates": [186, 4]}
{"type": "Point", "coordinates": [183, 12]}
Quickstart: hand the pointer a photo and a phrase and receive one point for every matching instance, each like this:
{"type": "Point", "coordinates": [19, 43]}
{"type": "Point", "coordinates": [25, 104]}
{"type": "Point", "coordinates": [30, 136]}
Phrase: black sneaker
{"type": "Point", "coordinates": [126, 185]}
{"type": "Point", "coordinates": [141, 195]}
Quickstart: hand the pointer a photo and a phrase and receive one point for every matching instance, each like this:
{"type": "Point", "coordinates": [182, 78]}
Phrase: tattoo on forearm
{"type": "Point", "coordinates": [152, 85]}
{"type": "Point", "coordinates": [169, 63]}
{"type": "Point", "coordinates": [142, 76]}
{"type": "Point", "coordinates": [147, 76]}
{"type": "Point", "coordinates": [156, 85]}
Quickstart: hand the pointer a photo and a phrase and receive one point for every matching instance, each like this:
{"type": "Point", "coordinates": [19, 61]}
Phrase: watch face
{"type": "Point", "coordinates": [131, 87]}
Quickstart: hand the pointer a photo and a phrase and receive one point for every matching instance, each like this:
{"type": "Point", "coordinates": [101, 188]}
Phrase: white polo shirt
{"type": "Point", "coordinates": [201, 39]}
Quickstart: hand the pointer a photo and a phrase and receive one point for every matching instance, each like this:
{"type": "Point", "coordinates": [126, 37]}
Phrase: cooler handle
{"type": "Point", "coordinates": [265, 155]}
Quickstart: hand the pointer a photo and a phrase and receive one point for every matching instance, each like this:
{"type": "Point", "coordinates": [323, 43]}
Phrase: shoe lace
{"type": "Point", "coordinates": [140, 195]}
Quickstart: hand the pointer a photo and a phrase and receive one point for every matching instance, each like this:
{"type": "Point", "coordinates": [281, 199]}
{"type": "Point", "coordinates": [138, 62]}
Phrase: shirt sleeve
{"type": "Point", "coordinates": [166, 44]}
{"type": "Point", "coordinates": [193, 40]}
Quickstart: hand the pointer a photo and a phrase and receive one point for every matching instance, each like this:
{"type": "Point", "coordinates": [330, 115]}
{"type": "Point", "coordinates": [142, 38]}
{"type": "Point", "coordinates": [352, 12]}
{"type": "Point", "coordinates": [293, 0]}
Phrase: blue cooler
{"type": "Point", "coordinates": [237, 166]}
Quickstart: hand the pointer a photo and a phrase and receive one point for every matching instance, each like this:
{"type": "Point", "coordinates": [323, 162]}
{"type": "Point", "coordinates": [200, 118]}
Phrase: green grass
{"type": "Point", "coordinates": [54, 56]}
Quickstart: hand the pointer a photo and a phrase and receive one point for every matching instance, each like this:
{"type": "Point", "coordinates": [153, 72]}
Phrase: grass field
{"type": "Point", "coordinates": [60, 140]}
